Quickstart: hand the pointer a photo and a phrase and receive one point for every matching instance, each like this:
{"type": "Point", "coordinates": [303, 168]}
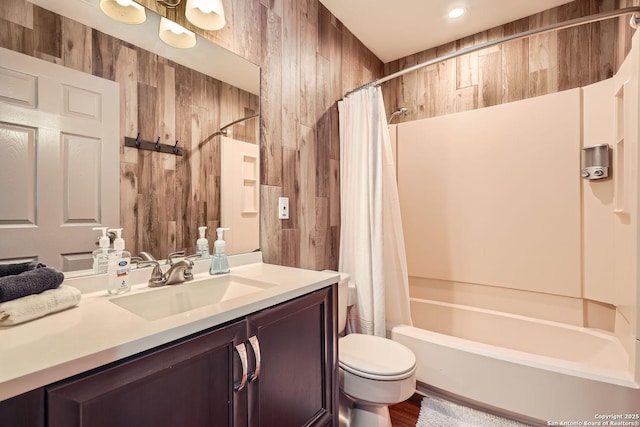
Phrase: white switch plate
{"type": "Point", "coordinates": [283, 208]}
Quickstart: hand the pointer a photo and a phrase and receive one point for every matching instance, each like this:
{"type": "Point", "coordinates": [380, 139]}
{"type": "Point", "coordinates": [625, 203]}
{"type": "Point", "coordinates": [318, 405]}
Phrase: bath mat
{"type": "Point", "coordinates": [442, 413]}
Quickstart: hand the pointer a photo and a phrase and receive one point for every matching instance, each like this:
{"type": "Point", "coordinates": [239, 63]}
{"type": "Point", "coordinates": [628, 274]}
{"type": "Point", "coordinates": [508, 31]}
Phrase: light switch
{"type": "Point", "coordinates": [283, 208]}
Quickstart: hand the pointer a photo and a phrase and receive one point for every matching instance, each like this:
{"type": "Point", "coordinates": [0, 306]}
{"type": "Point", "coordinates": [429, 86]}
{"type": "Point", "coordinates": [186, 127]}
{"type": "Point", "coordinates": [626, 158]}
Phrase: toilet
{"type": "Point", "coordinates": [374, 372]}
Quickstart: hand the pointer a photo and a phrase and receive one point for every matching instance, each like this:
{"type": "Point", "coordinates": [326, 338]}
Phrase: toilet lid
{"type": "Point", "coordinates": [375, 357]}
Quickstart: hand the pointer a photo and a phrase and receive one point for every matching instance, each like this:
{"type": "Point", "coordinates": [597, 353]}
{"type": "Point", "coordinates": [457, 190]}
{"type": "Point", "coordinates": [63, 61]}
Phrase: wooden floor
{"type": "Point", "coordinates": [405, 414]}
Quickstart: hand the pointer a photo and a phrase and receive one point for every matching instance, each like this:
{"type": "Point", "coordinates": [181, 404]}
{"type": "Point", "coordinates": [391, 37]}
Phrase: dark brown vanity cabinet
{"type": "Point", "coordinates": [197, 381]}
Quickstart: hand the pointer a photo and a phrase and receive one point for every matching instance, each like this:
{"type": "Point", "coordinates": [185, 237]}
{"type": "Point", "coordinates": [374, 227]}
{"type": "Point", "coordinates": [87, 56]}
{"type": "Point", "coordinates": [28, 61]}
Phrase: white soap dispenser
{"type": "Point", "coordinates": [202, 244]}
{"type": "Point", "coordinates": [219, 262]}
{"type": "Point", "coordinates": [101, 255]}
{"type": "Point", "coordinates": [119, 266]}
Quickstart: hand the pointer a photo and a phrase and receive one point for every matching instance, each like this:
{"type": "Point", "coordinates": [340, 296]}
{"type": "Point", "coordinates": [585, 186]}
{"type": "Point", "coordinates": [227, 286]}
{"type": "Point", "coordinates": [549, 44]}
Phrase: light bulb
{"type": "Point", "coordinates": [456, 13]}
{"type": "Point", "coordinates": [124, 3]}
{"type": "Point", "coordinates": [206, 8]}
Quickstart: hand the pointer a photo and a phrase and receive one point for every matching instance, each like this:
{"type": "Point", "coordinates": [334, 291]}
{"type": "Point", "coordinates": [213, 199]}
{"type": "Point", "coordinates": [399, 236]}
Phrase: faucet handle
{"type": "Point", "coordinates": [173, 255]}
{"type": "Point", "coordinates": [188, 274]}
{"type": "Point", "coordinates": [190, 258]}
{"type": "Point", "coordinates": [157, 277]}
{"type": "Point", "coordinates": [146, 256]}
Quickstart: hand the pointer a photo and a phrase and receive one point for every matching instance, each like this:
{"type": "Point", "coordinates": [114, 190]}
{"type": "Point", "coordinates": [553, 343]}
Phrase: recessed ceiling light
{"type": "Point", "coordinates": [456, 12]}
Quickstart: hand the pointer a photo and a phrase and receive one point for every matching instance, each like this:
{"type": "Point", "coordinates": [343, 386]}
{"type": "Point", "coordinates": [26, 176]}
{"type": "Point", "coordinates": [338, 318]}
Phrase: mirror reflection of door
{"type": "Point", "coordinates": [59, 152]}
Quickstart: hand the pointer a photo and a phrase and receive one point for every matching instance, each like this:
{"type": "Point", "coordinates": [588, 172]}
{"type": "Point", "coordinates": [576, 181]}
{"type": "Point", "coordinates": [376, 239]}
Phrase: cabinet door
{"type": "Point", "coordinates": [298, 376]}
{"type": "Point", "coordinates": [189, 383]}
{"type": "Point", "coordinates": [25, 410]}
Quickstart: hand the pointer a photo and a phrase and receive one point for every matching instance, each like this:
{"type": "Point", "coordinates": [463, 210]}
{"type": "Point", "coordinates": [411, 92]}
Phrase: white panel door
{"type": "Point", "coordinates": [59, 161]}
{"type": "Point", "coordinates": [239, 195]}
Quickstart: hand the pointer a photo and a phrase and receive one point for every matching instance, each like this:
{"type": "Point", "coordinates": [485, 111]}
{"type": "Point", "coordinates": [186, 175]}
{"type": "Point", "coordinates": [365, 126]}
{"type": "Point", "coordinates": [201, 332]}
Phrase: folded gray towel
{"type": "Point", "coordinates": [21, 267]}
{"type": "Point", "coordinates": [30, 282]}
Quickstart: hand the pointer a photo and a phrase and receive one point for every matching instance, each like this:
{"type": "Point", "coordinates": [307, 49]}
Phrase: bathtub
{"type": "Point", "coordinates": [548, 371]}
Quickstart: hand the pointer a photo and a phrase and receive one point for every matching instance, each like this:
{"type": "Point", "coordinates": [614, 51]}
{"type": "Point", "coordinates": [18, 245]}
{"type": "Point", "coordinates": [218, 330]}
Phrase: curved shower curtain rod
{"type": "Point", "coordinates": [223, 129]}
{"type": "Point", "coordinates": [634, 22]}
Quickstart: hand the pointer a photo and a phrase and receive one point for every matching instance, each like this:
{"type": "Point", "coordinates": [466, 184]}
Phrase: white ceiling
{"type": "Point", "coordinates": [393, 29]}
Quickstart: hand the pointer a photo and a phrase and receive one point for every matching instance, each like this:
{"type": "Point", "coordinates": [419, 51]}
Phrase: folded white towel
{"type": "Point", "coordinates": [33, 306]}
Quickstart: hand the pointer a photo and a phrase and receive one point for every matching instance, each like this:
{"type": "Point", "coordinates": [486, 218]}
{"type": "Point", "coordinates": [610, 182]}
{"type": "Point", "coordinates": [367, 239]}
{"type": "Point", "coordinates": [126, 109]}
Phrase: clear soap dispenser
{"type": "Point", "coordinates": [202, 244]}
{"type": "Point", "coordinates": [101, 255]}
{"type": "Point", "coordinates": [119, 266]}
{"type": "Point", "coordinates": [219, 262]}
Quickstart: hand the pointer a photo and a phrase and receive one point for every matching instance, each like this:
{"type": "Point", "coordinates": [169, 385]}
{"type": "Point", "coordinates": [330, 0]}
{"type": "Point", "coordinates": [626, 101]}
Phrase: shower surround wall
{"type": "Point", "coordinates": [504, 239]}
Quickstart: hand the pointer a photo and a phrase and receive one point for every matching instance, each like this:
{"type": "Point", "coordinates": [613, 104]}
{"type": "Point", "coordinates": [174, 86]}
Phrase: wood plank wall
{"type": "Point", "coordinates": [308, 61]}
{"type": "Point", "coordinates": [163, 198]}
{"type": "Point", "coordinates": [515, 70]}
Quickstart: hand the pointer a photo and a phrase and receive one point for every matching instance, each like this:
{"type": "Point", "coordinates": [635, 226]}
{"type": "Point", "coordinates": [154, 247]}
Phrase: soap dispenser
{"type": "Point", "coordinates": [202, 244]}
{"type": "Point", "coordinates": [219, 262]}
{"type": "Point", "coordinates": [119, 266]}
{"type": "Point", "coordinates": [101, 255]}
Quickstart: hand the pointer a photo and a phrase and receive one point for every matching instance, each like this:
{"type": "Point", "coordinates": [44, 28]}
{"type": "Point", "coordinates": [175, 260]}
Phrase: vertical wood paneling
{"type": "Point", "coordinates": [515, 63]}
{"type": "Point", "coordinates": [127, 77]}
{"type": "Point", "coordinates": [543, 54]}
{"type": "Point", "coordinates": [308, 48]}
{"type": "Point", "coordinates": [519, 69]}
{"type": "Point", "coordinates": [573, 47]}
{"type": "Point", "coordinates": [161, 205]}
{"type": "Point", "coordinates": [290, 73]}
{"type": "Point", "coordinates": [76, 42]}
{"type": "Point", "coordinates": [271, 99]}
{"type": "Point", "coordinates": [306, 206]}
{"type": "Point", "coordinates": [308, 61]}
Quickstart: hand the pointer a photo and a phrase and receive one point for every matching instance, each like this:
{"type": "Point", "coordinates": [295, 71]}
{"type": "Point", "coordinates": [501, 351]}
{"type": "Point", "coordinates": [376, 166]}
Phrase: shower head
{"type": "Point", "coordinates": [402, 110]}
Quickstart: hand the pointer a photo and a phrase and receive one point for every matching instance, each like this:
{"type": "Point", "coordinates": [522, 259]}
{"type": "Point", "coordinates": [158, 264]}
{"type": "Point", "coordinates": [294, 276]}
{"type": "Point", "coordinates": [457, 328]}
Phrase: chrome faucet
{"type": "Point", "coordinates": [178, 273]}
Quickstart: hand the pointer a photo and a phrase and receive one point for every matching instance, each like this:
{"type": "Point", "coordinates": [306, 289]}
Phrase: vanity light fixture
{"type": "Point", "coordinates": [457, 12]}
{"type": "Point", "coordinates": [176, 35]}
{"type": "Point", "coordinates": [205, 14]}
{"type": "Point", "coordinates": [126, 11]}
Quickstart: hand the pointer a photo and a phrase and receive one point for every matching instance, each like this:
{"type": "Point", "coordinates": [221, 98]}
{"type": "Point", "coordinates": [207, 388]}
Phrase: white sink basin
{"type": "Point", "coordinates": [175, 299]}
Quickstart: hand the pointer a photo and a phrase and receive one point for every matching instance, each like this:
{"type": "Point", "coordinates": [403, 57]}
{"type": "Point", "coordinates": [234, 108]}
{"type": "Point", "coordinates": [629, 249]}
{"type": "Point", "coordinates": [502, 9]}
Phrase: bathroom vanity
{"type": "Point", "coordinates": [267, 357]}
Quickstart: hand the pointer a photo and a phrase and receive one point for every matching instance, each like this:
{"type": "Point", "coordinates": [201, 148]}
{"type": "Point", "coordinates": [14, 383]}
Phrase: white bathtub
{"type": "Point", "coordinates": [540, 369]}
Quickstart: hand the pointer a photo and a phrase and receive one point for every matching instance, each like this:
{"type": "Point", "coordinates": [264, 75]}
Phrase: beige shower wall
{"type": "Point", "coordinates": [496, 215]}
{"type": "Point", "coordinates": [492, 196]}
{"type": "Point", "coordinates": [610, 213]}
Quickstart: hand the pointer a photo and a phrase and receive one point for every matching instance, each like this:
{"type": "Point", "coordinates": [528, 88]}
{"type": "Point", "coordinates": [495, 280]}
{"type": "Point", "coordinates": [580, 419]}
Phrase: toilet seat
{"type": "Point", "coordinates": [375, 358]}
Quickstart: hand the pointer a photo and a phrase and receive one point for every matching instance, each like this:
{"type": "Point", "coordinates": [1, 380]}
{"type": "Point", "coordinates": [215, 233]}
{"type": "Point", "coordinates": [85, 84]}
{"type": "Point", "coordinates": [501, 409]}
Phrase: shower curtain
{"type": "Point", "coordinates": [371, 241]}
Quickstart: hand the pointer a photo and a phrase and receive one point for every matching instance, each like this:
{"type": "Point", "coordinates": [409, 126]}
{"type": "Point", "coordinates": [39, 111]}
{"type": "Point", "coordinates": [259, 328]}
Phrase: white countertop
{"type": "Point", "coordinates": [97, 332]}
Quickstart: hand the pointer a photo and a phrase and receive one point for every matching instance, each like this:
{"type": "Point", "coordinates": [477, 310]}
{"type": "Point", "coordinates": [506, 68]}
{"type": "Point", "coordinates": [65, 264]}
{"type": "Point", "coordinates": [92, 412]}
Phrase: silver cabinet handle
{"type": "Point", "coordinates": [242, 352]}
{"type": "Point", "coordinates": [255, 345]}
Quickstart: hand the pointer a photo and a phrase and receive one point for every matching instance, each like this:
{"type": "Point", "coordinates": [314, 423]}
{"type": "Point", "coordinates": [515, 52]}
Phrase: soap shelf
{"type": "Point", "coordinates": [141, 144]}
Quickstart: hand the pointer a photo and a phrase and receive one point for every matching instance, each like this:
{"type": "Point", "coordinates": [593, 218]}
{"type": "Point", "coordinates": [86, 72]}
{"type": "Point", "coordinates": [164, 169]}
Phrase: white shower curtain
{"type": "Point", "coordinates": [371, 240]}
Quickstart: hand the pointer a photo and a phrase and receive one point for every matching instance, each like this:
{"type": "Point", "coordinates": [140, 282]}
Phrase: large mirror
{"type": "Point", "coordinates": [170, 96]}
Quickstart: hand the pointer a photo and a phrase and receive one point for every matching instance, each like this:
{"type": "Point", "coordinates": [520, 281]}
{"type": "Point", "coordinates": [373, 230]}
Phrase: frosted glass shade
{"type": "Point", "coordinates": [176, 35]}
{"type": "Point", "coordinates": [126, 11]}
{"type": "Point", "coordinates": [205, 14]}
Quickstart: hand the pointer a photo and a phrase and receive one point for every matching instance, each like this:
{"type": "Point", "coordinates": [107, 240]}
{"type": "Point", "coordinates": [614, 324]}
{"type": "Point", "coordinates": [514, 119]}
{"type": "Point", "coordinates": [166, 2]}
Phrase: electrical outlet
{"type": "Point", "coordinates": [283, 208]}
